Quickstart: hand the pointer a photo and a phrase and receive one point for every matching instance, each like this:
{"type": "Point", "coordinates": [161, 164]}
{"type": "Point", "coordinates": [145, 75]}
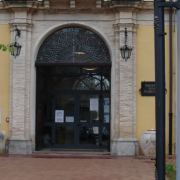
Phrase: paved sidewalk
{"type": "Point", "coordinates": [27, 168]}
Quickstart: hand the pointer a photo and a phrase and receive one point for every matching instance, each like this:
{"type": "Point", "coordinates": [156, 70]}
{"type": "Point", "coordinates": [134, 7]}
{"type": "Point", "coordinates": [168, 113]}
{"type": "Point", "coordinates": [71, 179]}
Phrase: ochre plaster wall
{"type": "Point", "coordinates": [4, 79]}
{"type": "Point", "coordinates": [145, 118]}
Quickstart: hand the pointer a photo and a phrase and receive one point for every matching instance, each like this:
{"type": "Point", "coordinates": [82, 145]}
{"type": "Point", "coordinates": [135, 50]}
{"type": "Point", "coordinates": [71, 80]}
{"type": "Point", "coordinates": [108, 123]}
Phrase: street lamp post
{"type": "Point", "coordinates": [160, 83]}
{"type": "Point", "coordinates": [178, 100]}
{"type": "Point", "coordinates": [160, 90]}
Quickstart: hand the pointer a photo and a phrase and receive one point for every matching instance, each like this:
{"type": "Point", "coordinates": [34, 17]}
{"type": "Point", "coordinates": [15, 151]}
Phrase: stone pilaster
{"type": "Point", "coordinates": [115, 121]}
{"type": "Point", "coordinates": [126, 82]}
{"type": "Point", "coordinates": [19, 141]}
{"type": "Point", "coordinates": [124, 141]}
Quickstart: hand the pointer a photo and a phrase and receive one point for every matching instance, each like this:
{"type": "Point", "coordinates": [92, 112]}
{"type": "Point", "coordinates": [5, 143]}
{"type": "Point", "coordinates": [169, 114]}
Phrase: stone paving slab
{"type": "Point", "coordinates": [19, 168]}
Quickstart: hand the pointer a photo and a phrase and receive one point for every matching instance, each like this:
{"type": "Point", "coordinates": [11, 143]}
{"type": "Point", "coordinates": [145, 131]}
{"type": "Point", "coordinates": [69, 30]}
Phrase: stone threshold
{"type": "Point", "coordinates": [73, 151]}
{"type": "Point", "coordinates": [82, 156]}
{"type": "Point", "coordinates": [79, 156]}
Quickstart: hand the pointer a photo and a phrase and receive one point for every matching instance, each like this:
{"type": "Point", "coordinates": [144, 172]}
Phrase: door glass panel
{"type": "Point", "coordinates": [47, 107]}
{"type": "Point", "coordinates": [106, 70]}
{"type": "Point", "coordinates": [106, 108]}
{"type": "Point", "coordinates": [48, 82]}
{"type": "Point", "coordinates": [64, 135]}
{"type": "Point", "coordinates": [68, 70]}
{"type": "Point", "coordinates": [88, 82]}
{"type": "Point", "coordinates": [105, 136]}
{"type": "Point", "coordinates": [89, 109]}
{"type": "Point", "coordinates": [47, 134]}
{"type": "Point", "coordinates": [89, 135]}
{"type": "Point", "coordinates": [45, 78]}
{"type": "Point", "coordinates": [64, 82]}
{"type": "Point", "coordinates": [105, 83]}
{"type": "Point", "coordinates": [66, 103]}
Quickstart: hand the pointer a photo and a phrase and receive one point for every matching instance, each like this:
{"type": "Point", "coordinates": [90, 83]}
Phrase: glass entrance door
{"type": "Point", "coordinates": [88, 125]}
{"type": "Point", "coordinates": [65, 120]}
{"type": "Point", "coordinates": [81, 121]}
{"type": "Point", "coordinates": [73, 110]}
{"type": "Point", "coordinates": [93, 125]}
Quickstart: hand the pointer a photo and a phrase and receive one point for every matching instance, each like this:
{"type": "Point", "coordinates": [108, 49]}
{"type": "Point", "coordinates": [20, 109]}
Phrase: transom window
{"type": "Point", "coordinates": [74, 44]}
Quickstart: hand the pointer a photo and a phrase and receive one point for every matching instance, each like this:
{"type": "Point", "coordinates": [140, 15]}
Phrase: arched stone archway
{"type": "Point", "coordinates": [73, 44]}
{"type": "Point", "coordinates": [68, 117]}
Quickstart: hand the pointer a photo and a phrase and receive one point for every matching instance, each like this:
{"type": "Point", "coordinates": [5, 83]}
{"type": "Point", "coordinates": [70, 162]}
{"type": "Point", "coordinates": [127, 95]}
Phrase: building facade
{"type": "Point", "coordinates": [69, 87]}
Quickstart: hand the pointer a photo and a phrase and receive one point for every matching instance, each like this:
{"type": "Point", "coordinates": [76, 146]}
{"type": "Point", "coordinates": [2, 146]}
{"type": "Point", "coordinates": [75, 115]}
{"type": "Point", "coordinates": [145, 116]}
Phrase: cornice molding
{"type": "Point", "coordinates": [45, 5]}
{"type": "Point", "coordinates": [22, 26]}
{"type": "Point", "coordinates": [119, 27]}
{"type": "Point", "coordinates": [28, 4]}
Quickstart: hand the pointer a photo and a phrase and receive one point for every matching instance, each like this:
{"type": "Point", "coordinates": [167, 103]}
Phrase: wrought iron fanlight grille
{"type": "Point", "coordinates": [73, 44]}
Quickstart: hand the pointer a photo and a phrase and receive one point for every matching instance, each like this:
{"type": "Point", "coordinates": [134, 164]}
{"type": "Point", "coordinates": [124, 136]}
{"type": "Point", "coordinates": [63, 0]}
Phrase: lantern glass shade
{"type": "Point", "coordinates": [16, 50]}
{"type": "Point", "coordinates": [126, 52]}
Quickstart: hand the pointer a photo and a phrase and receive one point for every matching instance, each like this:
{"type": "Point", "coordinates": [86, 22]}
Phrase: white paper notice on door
{"type": "Point", "coordinates": [59, 116]}
{"type": "Point", "coordinates": [96, 130]}
{"type": "Point", "coordinates": [69, 118]}
{"type": "Point", "coordinates": [94, 104]}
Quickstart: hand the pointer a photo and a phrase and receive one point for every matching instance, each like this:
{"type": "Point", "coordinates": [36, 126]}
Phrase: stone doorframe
{"type": "Point", "coordinates": [123, 90]}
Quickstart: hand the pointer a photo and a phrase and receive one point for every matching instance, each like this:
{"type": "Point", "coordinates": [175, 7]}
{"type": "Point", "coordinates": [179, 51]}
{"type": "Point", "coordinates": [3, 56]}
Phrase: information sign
{"type": "Point", "coordinates": [69, 118]}
{"type": "Point", "coordinates": [94, 104]}
{"type": "Point", "coordinates": [59, 116]}
{"type": "Point", "coordinates": [147, 88]}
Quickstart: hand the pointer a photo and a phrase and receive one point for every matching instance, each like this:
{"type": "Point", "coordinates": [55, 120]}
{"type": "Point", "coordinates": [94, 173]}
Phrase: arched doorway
{"type": "Point", "coordinates": [73, 91]}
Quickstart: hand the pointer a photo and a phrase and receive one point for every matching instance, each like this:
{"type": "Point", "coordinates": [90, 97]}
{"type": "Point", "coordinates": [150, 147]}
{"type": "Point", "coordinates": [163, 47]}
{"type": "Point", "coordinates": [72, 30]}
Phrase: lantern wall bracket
{"type": "Point", "coordinates": [18, 32]}
{"type": "Point", "coordinates": [16, 48]}
{"type": "Point", "coordinates": [126, 50]}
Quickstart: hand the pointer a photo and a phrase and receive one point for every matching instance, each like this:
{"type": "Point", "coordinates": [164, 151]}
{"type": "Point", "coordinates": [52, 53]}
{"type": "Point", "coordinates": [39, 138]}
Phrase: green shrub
{"type": "Point", "coordinates": [171, 171]}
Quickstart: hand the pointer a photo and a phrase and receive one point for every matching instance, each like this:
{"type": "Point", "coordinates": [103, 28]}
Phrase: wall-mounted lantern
{"type": "Point", "coordinates": [126, 50]}
{"type": "Point", "coordinates": [16, 48]}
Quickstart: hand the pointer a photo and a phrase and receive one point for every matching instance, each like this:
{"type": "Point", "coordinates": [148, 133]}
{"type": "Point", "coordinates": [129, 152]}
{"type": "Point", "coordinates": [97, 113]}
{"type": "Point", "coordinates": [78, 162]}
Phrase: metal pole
{"type": "Point", "coordinates": [160, 89]}
{"type": "Point", "coordinates": [178, 100]}
{"type": "Point", "coordinates": [170, 80]}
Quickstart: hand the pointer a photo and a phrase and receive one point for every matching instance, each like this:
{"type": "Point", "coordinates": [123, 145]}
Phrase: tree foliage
{"type": "Point", "coordinates": [6, 47]}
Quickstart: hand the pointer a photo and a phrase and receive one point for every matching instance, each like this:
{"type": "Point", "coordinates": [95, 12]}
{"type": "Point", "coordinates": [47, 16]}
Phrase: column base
{"type": "Point", "coordinates": [19, 146]}
{"type": "Point", "coordinates": [2, 142]}
{"type": "Point", "coordinates": [125, 147]}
